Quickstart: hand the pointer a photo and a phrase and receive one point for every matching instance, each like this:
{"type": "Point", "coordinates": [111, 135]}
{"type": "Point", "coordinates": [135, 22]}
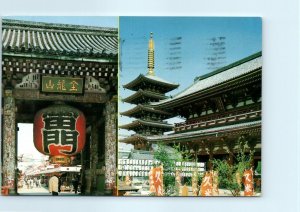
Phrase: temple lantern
{"type": "Point", "coordinates": [59, 131]}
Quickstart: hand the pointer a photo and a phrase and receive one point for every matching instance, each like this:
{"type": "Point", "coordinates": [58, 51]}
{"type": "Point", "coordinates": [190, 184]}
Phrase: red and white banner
{"type": "Point", "coordinates": [156, 181]}
{"type": "Point", "coordinates": [207, 184]}
{"type": "Point", "coordinates": [248, 182]}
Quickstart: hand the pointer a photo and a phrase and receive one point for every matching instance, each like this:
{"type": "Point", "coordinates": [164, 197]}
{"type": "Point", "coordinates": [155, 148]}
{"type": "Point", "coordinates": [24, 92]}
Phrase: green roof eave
{"type": "Point", "coordinates": [105, 31]}
{"type": "Point", "coordinates": [232, 65]}
{"type": "Point", "coordinates": [142, 78]}
{"type": "Point", "coordinates": [133, 138]}
{"type": "Point", "coordinates": [75, 42]}
{"type": "Point", "coordinates": [146, 123]}
{"type": "Point", "coordinates": [139, 108]}
{"type": "Point", "coordinates": [60, 57]}
{"type": "Point", "coordinates": [221, 125]}
{"type": "Point", "coordinates": [141, 93]}
{"type": "Point", "coordinates": [206, 86]}
{"type": "Point", "coordinates": [208, 132]}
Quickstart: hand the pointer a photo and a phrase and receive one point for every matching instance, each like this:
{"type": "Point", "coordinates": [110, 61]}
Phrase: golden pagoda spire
{"type": "Point", "coordinates": [151, 56]}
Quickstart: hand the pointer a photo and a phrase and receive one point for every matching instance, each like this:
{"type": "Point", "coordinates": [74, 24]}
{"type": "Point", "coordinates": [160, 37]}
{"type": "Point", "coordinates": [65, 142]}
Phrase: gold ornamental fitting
{"type": "Point", "coordinates": [60, 159]}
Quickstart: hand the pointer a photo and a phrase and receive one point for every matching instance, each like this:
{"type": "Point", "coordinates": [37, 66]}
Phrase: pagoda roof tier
{"type": "Point", "coordinates": [253, 127]}
{"type": "Point", "coordinates": [36, 39]}
{"type": "Point", "coordinates": [134, 138]}
{"type": "Point", "coordinates": [138, 123]}
{"type": "Point", "coordinates": [139, 110]}
{"type": "Point", "coordinates": [216, 80]}
{"type": "Point", "coordinates": [142, 96]}
{"type": "Point", "coordinates": [144, 81]}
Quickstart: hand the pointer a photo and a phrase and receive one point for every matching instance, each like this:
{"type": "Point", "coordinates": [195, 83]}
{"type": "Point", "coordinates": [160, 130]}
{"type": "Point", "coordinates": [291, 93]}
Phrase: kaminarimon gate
{"type": "Point", "coordinates": [56, 64]}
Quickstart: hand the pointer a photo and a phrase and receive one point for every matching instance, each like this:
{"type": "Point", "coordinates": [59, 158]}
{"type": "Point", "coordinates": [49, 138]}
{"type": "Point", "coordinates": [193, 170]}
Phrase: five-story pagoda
{"type": "Point", "coordinates": [149, 121]}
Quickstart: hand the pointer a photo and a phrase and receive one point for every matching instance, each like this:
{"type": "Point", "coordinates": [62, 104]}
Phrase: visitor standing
{"type": "Point", "coordinates": [75, 183]}
{"type": "Point", "coordinates": [53, 185]}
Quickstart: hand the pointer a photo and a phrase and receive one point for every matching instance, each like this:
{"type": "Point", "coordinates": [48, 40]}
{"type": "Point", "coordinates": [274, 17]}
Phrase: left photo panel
{"type": "Point", "coordinates": [59, 106]}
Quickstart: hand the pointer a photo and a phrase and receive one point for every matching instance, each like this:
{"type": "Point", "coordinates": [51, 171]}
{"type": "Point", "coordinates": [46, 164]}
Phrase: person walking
{"type": "Point", "coordinates": [39, 183]}
{"type": "Point", "coordinates": [53, 185]}
{"type": "Point", "coordinates": [28, 183]}
{"type": "Point", "coordinates": [75, 183]}
{"type": "Point", "coordinates": [35, 182]}
{"type": "Point", "coordinates": [31, 183]}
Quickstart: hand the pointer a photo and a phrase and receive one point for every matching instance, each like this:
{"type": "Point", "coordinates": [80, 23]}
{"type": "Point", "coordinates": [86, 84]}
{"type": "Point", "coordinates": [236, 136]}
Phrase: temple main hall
{"type": "Point", "coordinates": [221, 109]}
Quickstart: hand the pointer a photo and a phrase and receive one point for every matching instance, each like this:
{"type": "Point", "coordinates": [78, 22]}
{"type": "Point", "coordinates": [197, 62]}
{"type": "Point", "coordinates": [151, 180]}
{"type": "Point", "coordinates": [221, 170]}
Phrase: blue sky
{"type": "Point", "coordinates": [243, 37]}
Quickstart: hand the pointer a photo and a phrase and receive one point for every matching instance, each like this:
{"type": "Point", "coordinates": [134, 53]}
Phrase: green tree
{"type": "Point", "coordinates": [230, 175]}
{"type": "Point", "coordinates": [167, 157]}
{"type": "Point", "coordinates": [258, 169]}
{"type": "Point", "coordinates": [167, 161]}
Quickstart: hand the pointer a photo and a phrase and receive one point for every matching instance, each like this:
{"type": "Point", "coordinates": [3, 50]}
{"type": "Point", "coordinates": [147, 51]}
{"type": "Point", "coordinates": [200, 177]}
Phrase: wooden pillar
{"type": "Point", "coordinates": [211, 157]}
{"type": "Point", "coordinates": [86, 168]}
{"type": "Point", "coordinates": [83, 168]}
{"type": "Point", "coordinates": [210, 150]}
{"type": "Point", "coordinates": [251, 141]}
{"type": "Point", "coordinates": [9, 142]}
{"type": "Point", "coordinates": [147, 146]}
{"type": "Point", "coordinates": [230, 144]}
{"type": "Point", "coordinates": [230, 158]}
{"type": "Point", "coordinates": [202, 152]}
{"type": "Point", "coordinates": [196, 150]}
{"type": "Point", "coordinates": [94, 157]}
{"type": "Point", "coordinates": [110, 113]}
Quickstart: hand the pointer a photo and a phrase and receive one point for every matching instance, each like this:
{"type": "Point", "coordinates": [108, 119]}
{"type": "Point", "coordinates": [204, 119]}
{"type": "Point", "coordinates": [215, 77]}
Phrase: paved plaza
{"type": "Point", "coordinates": [41, 191]}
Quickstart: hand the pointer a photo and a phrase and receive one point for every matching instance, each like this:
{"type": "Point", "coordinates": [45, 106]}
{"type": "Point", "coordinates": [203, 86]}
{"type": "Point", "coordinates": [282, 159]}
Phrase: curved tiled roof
{"type": "Point", "coordinates": [204, 132]}
{"type": "Point", "coordinates": [58, 39]}
{"type": "Point", "coordinates": [139, 122]}
{"type": "Point", "coordinates": [195, 134]}
{"type": "Point", "coordinates": [140, 93]}
{"type": "Point", "coordinates": [139, 108]}
{"type": "Point", "coordinates": [227, 73]}
{"type": "Point", "coordinates": [134, 84]}
{"type": "Point", "coordinates": [133, 138]}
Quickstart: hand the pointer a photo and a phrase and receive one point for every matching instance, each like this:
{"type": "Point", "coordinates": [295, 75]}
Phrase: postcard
{"type": "Point", "coordinates": [131, 106]}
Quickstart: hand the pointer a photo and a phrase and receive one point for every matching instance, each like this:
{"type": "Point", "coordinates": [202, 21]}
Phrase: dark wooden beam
{"type": "Point", "coordinates": [30, 94]}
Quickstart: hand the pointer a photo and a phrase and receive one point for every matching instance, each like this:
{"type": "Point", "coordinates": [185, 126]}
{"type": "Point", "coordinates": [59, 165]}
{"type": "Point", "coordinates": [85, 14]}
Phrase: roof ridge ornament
{"type": "Point", "coordinates": [151, 56]}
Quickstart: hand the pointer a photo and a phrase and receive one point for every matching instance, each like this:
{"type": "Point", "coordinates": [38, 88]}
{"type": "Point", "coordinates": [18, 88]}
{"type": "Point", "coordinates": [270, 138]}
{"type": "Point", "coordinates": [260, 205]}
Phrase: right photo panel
{"type": "Point", "coordinates": [190, 106]}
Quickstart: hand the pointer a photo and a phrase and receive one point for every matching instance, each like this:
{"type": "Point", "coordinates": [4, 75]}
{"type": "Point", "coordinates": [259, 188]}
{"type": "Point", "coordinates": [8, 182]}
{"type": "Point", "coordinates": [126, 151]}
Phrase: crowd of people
{"type": "Point", "coordinates": [56, 183]}
{"type": "Point", "coordinates": [30, 183]}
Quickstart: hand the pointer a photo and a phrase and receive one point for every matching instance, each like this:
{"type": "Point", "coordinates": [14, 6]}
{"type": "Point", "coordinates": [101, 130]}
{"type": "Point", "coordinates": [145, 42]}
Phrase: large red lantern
{"type": "Point", "coordinates": [59, 131]}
